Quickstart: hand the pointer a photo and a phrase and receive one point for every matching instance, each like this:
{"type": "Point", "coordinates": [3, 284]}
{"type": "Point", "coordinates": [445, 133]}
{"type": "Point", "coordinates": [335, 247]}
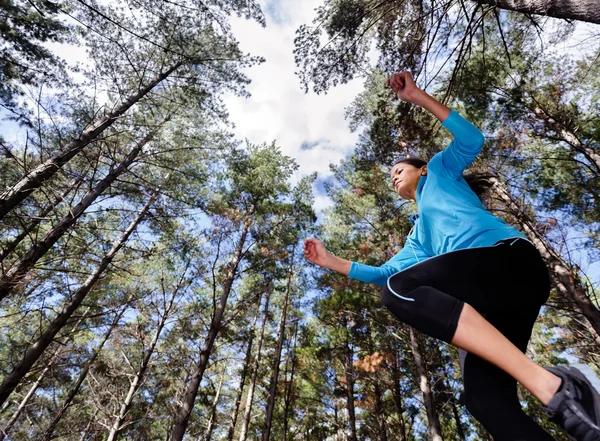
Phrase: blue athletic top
{"type": "Point", "coordinates": [450, 215]}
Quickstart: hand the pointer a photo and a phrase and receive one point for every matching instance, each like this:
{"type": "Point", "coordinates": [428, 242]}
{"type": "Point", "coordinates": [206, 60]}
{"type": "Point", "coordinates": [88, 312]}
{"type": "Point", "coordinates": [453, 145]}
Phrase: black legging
{"type": "Point", "coordinates": [506, 283]}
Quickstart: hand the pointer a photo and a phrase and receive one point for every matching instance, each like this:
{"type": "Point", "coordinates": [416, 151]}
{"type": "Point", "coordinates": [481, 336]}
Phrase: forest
{"type": "Point", "coordinates": [153, 282]}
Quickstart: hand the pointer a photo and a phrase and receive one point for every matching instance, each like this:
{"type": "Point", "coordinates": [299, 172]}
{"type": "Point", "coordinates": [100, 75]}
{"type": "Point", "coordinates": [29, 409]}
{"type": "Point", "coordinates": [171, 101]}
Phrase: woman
{"type": "Point", "coordinates": [466, 277]}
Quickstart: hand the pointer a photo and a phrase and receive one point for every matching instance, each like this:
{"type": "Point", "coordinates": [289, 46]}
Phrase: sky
{"type": "Point", "coordinates": [308, 127]}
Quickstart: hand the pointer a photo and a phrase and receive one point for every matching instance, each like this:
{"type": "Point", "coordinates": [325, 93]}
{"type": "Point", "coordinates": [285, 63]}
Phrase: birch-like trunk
{"type": "Point", "coordinates": [240, 391]}
{"type": "Point", "coordinates": [34, 179]}
{"type": "Point", "coordinates": [433, 421]}
{"type": "Point", "coordinates": [255, 364]}
{"type": "Point", "coordinates": [349, 372]}
{"type": "Point", "coordinates": [48, 434]}
{"type": "Point", "coordinates": [37, 349]}
{"type": "Point", "coordinates": [277, 357]}
{"type": "Point", "coordinates": [213, 413]}
{"type": "Point", "coordinates": [182, 419]}
{"type": "Point", "coordinates": [15, 416]}
{"type": "Point", "coordinates": [20, 268]}
{"type": "Point", "coordinates": [138, 379]}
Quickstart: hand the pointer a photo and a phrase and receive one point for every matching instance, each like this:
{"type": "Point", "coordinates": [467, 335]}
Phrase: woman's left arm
{"type": "Point", "coordinates": [468, 139]}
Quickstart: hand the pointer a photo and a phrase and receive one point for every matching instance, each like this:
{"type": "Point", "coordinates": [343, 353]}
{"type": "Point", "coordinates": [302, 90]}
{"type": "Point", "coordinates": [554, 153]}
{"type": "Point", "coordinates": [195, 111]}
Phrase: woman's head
{"type": "Point", "coordinates": [405, 175]}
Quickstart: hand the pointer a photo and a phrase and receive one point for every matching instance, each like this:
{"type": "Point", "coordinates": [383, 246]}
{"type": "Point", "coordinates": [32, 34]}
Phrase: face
{"type": "Point", "coordinates": [405, 178]}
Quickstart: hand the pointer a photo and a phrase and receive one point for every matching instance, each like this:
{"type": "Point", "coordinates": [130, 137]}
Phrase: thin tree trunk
{"type": "Point", "coordinates": [565, 279]}
{"type": "Point", "coordinates": [290, 384]}
{"type": "Point", "coordinates": [349, 371]}
{"type": "Point", "coordinates": [255, 364]}
{"type": "Point", "coordinates": [379, 408]}
{"type": "Point", "coordinates": [34, 179]}
{"type": "Point", "coordinates": [37, 251]}
{"type": "Point", "coordinates": [584, 10]}
{"type": "Point", "coordinates": [49, 432]}
{"type": "Point", "coordinates": [435, 428]}
{"type": "Point", "coordinates": [87, 428]}
{"type": "Point", "coordinates": [568, 135]}
{"type": "Point", "coordinates": [213, 413]}
{"type": "Point", "coordinates": [277, 358]}
{"type": "Point", "coordinates": [240, 391]}
{"type": "Point", "coordinates": [33, 388]}
{"type": "Point", "coordinates": [189, 398]}
{"type": "Point", "coordinates": [139, 376]}
{"type": "Point", "coordinates": [398, 395]}
{"type": "Point", "coordinates": [36, 350]}
{"type": "Point", "coordinates": [10, 247]}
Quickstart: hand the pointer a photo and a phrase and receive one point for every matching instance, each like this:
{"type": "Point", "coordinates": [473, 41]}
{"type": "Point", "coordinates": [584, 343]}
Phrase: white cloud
{"type": "Point", "coordinates": [278, 108]}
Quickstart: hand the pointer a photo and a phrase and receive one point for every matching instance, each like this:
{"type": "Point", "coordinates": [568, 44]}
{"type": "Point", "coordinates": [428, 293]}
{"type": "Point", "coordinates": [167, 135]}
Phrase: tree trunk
{"type": "Point", "coordinates": [398, 395]}
{"type": "Point", "coordinates": [33, 388]}
{"type": "Point", "coordinates": [349, 371]}
{"type": "Point", "coordinates": [213, 413]}
{"type": "Point", "coordinates": [277, 359]}
{"type": "Point", "coordinates": [35, 351]}
{"type": "Point", "coordinates": [10, 247]}
{"type": "Point", "coordinates": [23, 265]}
{"type": "Point", "coordinates": [252, 385]}
{"type": "Point", "coordinates": [565, 279]}
{"type": "Point", "coordinates": [240, 391]}
{"type": "Point", "coordinates": [435, 428]}
{"type": "Point", "coordinates": [139, 376]}
{"type": "Point", "coordinates": [34, 179]}
{"type": "Point", "coordinates": [584, 10]}
{"type": "Point", "coordinates": [289, 385]}
{"type": "Point", "coordinates": [382, 428]}
{"type": "Point", "coordinates": [189, 398]}
{"type": "Point", "coordinates": [49, 432]}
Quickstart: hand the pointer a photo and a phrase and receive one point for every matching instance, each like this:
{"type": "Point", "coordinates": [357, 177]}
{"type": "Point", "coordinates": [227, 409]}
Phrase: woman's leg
{"type": "Point", "coordinates": [491, 394]}
{"type": "Point", "coordinates": [444, 296]}
{"type": "Point", "coordinates": [439, 297]}
{"type": "Point", "coordinates": [478, 336]}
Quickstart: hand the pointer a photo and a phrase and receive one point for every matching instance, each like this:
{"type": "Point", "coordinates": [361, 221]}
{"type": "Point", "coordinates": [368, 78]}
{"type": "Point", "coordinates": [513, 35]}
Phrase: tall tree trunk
{"type": "Point", "coordinates": [435, 428]}
{"type": "Point", "coordinates": [213, 413]}
{"type": "Point", "coordinates": [34, 179]}
{"type": "Point", "coordinates": [49, 432]}
{"type": "Point", "coordinates": [23, 265]}
{"type": "Point", "coordinates": [255, 365]}
{"type": "Point", "coordinates": [33, 388]}
{"type": "Point", "coordinates": [565, 279]}
{"type": "Point", "coordinates": [397, 391]}
{"type": "Point", "coordinates": [277, 358]}
{"type": "Point", "coordinates": [379, 408]}
{"type": "Point", "coordinates": [349, 372]}
{"type": "Point", "coordinates": [10, 247]}
{"type": "Point", "coordinates": [584, 10]}
{"type": "Point", "coordinates": [291, 359]}
{"type": "Point", "coordinates": [36, 350]}
{"type": "Point", "coordinates": [240, 390]}
{"type": "Point", "coordinates": [139, 375]}
{"type": "Point", "coordinates": [189, 398]}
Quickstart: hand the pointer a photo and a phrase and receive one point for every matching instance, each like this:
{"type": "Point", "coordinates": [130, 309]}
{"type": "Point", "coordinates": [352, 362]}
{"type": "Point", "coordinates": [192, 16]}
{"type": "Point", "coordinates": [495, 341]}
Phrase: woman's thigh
{"type": "Point", "coordinates": [487, 278]}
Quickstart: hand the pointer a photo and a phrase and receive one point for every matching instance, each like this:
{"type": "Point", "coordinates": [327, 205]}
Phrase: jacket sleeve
{"type": "Point", "coordinates": [462, 151]}
{"type": "Point", "coordinates": [379, 274]}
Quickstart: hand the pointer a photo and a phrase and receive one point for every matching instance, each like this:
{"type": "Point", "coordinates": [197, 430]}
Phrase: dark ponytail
{"type": "Point", "coordinates": [479, 182]}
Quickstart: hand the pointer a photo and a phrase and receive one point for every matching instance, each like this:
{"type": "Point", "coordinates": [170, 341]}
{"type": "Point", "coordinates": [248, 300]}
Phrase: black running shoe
{"type": "Point", "coordinates": [576, 405]}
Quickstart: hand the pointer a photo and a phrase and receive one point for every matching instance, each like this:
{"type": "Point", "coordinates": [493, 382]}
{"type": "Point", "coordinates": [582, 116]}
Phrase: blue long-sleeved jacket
{"type": "Point", "coordinates": [450, 215]}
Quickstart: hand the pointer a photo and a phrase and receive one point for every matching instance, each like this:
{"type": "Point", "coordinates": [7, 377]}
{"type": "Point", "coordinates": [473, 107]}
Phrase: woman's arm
{"type": "Point", "coordinates": [403, 84]}
{"type": "Point", "coordinates": [315, 252]}
{"type": "Point", "coordinates": [468, 139]}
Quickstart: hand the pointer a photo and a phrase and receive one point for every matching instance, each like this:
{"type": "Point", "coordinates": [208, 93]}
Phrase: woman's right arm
{"type": "Point", "coordinates": [315, 252]}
